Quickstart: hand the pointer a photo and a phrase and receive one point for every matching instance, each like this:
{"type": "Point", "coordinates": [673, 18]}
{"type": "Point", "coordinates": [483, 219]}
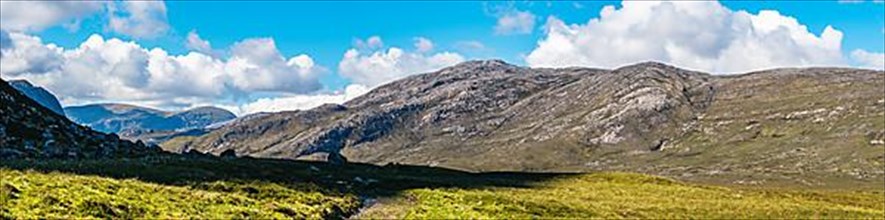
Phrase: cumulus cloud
{"type": "Point", "coordinates": [300, 102]}
{"type": "Point", "coordinates": [22, 54]}
{"type": "Point", "coordinates": [27, 16]}
{"type": "Point", "coordinates": [139, 19]}
{"type": "Point", "coordinates": [257, 65]}
{"type": "Point", "coordinates": [515, 22]}
{"type": "Point", "coordinates": [867, 59]}
{"type": "Point", "coordinates": [113, 70]}
{"type": "Point", "coordinates": [195, 43]}
{"type": "Point", "coordinates": [378, 67]}
{"type": "Point", "coordinates": [697, 35]}
{"type": "Point", "coordinates": [423, 45]}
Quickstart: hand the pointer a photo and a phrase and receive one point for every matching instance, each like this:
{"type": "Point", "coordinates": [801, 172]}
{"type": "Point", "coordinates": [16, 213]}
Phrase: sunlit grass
{"type": "Point", "coordinates": [618, 195]}
{"type": "Point", "coordinates": [30, 194]}
{"type": "Point", "coordinates": [165, 187]}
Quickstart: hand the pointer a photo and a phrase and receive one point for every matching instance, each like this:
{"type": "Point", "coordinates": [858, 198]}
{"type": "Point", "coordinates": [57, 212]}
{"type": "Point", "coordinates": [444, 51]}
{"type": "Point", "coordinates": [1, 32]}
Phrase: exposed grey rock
{"type": "Point", "coordinates": [30, 130]}
{"type": "Point", "coordinates": [647, 117]}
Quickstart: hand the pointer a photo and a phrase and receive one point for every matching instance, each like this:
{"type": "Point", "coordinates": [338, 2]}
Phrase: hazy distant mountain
{"type": "Point", "coordinates": [792, 124]}
{"type": "Point", "coordinates": [143, 123]}
{"type": "Point", "coordinates": [30, 130]}
{"type": "Point", "coordinates": [38, 94]}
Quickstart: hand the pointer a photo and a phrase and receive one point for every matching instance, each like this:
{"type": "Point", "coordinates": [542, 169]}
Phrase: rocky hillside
{"type": "Point", "coordinates": [146, 124]}
{"type": "Point", "coordinates": [30, 130]}
{"type": "Point", "coordinates": [38, 94]}
{"type": "Point", "coordinates": [809, 126]}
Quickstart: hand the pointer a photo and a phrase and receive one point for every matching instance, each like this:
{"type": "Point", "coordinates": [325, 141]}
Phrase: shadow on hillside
{"type": "Point", "coordinates": [364, 179]}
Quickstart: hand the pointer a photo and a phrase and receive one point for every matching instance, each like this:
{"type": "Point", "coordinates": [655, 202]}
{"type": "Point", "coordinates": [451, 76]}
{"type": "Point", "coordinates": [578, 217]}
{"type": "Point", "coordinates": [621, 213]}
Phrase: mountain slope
{"type": "Point", "coordinates": [30, 130]}
{"type": "Point", "coordinates": [38, 94]}
{"type": "Point", "coordinates": [146, 124]}
{"type": "Point", "coordinates": [790, 124]}
{"type": "Point", "coordinates": [121, 117]}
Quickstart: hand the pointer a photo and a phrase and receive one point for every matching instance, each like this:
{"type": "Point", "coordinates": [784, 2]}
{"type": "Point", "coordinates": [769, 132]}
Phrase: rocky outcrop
{"type": "Point", "coordinates": [30, 130]}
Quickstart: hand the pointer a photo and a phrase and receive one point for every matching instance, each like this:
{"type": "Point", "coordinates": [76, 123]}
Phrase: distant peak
{"type": "Point", "coordinates": [482, 65]}
{"type": "Point", "coordinates": [206, 108]}
{"type": "Point", "coordinates": [20, 82]}
{"type": "Point", "coordinates": [647, 64]}
{"type": "Point", "coordinates": [491, 62]}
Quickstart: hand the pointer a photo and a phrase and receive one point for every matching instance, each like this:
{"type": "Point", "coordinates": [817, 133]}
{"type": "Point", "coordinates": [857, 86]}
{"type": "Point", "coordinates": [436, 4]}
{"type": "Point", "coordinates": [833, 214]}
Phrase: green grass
{"type": "Point", "coordinates": [620, 195]}
{"type": "Point", "coordinates": [205, 187]}
{"type": "Point", "coordinates": [32, 194]}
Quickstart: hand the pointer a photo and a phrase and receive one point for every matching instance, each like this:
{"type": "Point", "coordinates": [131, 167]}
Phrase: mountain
{"type": "Point", "coordinates": [150, 125]}
{"type": "Point", "coordinates": [30, 130]}
{"type": "Point", "coordinates": [808, 125]}
{"type": "Point", "coordinates": [38, 94]}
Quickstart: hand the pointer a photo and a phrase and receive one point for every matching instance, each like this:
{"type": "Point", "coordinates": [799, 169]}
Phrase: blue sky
{"type": "Point", "coordinates": [325, 31]}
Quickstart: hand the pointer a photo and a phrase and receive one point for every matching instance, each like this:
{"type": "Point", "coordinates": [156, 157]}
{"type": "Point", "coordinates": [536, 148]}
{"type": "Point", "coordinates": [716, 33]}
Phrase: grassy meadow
{"type": "Point", "coordinates": [172, 186]}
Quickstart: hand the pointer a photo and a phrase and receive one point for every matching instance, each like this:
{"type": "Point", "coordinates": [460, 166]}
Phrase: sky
{"type": "Point", "coordinates": [266, 56]}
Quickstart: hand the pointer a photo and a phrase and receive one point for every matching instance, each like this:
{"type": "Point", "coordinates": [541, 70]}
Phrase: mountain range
{"type": "Point", "coordinates": [806, 125]}
{"type": "Point", "coordinates": [803, 128]}
{"type": "Point", "coordinates": [146, 124]}
{"type": "Point", "coordinates": [28, 129]}
{"type": "Point", "coordinates": [812, 126]}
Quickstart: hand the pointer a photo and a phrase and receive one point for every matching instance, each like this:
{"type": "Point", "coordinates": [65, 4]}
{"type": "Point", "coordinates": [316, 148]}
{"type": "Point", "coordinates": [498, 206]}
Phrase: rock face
{"type": "Point", "coordinates": [38, 94]}
{"type": "Point", "coordinates": [149, 125]}
{"type": "Point", "coordinates": [647, 117]}
{"type": "Point", "coordinates": [30, 130]}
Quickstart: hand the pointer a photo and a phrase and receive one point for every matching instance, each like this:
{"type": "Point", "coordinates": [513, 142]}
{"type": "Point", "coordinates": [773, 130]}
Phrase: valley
{"type": "Point", "coordinates": [483, 139]}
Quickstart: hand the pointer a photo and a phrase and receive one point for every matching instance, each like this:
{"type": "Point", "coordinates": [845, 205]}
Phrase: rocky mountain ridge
{"type": "Point", "coordinates": [648, 117]}
{"type": "Point", "coordinates": [38, 94]}
{"type": "Point", "coordinates": [146, 124]}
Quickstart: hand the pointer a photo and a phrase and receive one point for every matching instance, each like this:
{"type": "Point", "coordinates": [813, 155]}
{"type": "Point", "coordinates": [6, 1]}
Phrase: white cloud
{"type": "Point", "coordinates": [300, 102]}
{"type": "Point", "coordinates": [27, 16]}
{"type": "Point", "coordinates": [22, 53]}
{"type": "Point", "coordinates": [423, 45]}
{"type": "Point", "coordinates": [257, 65]}
{"type": "Point", "coordinates": [697, 35]}
{"type": "Point", "coordinates": [868, 59]}
{"type": "Point", "coordinates": [112, 70]}
{"type": "Point", "coordinates": [196, 43]}
{"type": "Point", "coordinates": [515, 22]}
{"type": "Point", "coordinates": [379, 67]}
{"type": "Point", "coordinates": [139, 19]}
